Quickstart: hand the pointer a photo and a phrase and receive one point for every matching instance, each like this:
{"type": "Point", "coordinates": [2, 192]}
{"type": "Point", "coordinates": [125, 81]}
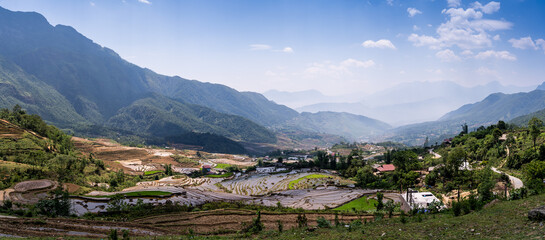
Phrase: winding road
{"type": "Point", "coordinates": [517, 183]}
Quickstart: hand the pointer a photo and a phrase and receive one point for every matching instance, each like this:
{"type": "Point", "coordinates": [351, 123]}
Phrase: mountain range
{"type": "Point", "coordinates": [415, 101]}
{"type": "Point", "coordinates": [85, 88]}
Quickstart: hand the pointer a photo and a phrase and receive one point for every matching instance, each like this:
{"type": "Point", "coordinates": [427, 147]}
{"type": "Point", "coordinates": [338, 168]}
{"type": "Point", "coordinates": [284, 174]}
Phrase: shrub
{"type": "Point", "coordinates": [323, 223]}
{"type": "Point", "coordinates": [456, 208]}
{"type": "Point", "coordinates": [302, 221]}
{"type": "Point", "coordinates": [256, 225]}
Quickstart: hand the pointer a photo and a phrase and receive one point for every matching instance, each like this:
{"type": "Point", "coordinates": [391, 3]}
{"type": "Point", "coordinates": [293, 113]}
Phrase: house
{"type": "Point", "coordinates": [419, 200]}
{"type": "Point", "coordinates": [265, 169]}
{"type": "Point", "coordinates": [206, 168]}
{"type": "Point", "coordinates": [386, 168]}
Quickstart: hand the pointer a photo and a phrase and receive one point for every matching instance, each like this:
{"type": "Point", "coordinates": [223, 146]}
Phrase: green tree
{"type": "Point", "coordinates": [535, 124]}
{"type": "Point", "coordinates": [405, 160]}
{"type": "Point", "coordinates": [379, 205]}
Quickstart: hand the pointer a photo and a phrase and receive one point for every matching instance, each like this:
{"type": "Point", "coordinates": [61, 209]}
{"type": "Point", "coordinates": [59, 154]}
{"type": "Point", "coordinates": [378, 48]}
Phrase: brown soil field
{"type": "Point", "coordinates": [55, 227]}
{"type": "Point", "coordinates": [231, 220]}
{"type": "Point", "coordinates": [205, 222]}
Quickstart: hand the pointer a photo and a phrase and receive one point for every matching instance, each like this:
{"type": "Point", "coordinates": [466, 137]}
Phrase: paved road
{"type": "Point", "coordinates": [517, 183]}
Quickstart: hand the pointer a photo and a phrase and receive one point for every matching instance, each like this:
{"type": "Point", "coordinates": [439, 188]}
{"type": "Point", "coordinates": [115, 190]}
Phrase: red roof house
{"type": "Point", "coordinates": [386, 168]}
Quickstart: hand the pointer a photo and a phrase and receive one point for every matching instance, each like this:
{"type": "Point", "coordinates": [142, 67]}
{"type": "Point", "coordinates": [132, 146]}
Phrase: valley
{"type": "Point", "coordinates": [381, 120]}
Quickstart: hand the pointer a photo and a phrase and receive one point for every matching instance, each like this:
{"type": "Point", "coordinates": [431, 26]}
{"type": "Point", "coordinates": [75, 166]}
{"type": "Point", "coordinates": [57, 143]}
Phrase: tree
{"type": "Point", "coordinates": [405, 160]}
{"type": "Point", "coordinates": [380, 204]}
{"type": "Point", "coordinates": [455, 159]}
{"type": "Point", "coordinates": [280, 160]}
{"type": "Point", "coordinates": [426, 142]}
{"type": "Point", "coordinates": [535, 124]}
{"type": "Point", "coordinates": [464, 129]}
{"type": "Point", "coordinates": [534, 173]}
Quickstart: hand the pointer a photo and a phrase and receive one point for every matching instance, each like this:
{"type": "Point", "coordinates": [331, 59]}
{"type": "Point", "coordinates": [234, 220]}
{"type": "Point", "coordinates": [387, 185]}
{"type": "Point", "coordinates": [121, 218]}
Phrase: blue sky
{"type": "Point", "coordinates": [336, 47]}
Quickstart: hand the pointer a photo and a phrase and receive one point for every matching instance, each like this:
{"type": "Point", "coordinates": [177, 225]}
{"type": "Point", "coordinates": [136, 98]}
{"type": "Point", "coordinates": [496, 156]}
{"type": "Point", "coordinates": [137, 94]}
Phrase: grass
{"type": "Point", "coordinates": [222, 165]}
{"type": "Point", "coordinates": [225, 175]}
{"type": "Point", "coordinates": [292, 184]}
{"type": "Point", "coordinates": [136, 194]}
{"type": "Point", "coordinates": [147, 173]}
{"type": "Point", "coordinates": [359, 204]}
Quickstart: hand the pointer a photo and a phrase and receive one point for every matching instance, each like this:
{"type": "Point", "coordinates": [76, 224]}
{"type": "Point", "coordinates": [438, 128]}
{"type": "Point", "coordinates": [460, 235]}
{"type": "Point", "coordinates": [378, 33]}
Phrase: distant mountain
{"type": "Point", "coordinates": [351, 126]}
{"type": "Point", "coordinates": [302, 98]}
{"type": "Point", "coordinates": [499, 106]}
{"type": "Point", "coordinates": [518, 108]}
{"type": "Point", "coordinates": [72, 82]}
{"type": "Point", "coordinates": [416, 101]}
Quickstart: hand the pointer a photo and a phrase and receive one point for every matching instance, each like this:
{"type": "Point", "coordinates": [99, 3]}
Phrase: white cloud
{"type": "Point", "coordinates": [447, 55]}
{"type": "Point", "coordinates": [541, 42]}
{"type": "Point", "coordinates": [287, 50]}
{"type": "Point", "coordinates": [331, 70]}
{"type": "Point", "coordinates": [454, 3]}
{"type": "Point", "coordinates": [505, 55]}
{"type": "Point", "coordinates": [355, 63]}
{"type": "Point", "coordinates": [528, 43]}
{"type": "Point", "coordinates": [92, 4]}
{"type": "Point", "coordinates": [144, 1]}
{"type": "Point", "coordinates": [415, 28]}
{"type": "Point", "coordinates": [489, 8]}
{"type": "Point", "coordinates": [465, 28]}
{"type": "Point", "coordinates": [390, 2]}
{"type": "Point", "coordinates": [413, 11]}
{"type": "Point", "coordinates": [382, 43]}
{"type": "Point", "coordinates": [497, 37]}
{"type": "Point", "coordinates": [259, 47]}
{"type": "Point", "coordinates": [524, 43]}
{"type": "Point", "coordinates": [467, 53]}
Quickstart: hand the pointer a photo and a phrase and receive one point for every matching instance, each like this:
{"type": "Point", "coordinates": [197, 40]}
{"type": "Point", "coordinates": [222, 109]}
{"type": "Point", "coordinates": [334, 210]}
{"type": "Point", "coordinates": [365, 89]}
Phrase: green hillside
{"type": "Point", "coordinates": [523, 120]}
{"type": "Point", "coordinates": [162, 117]}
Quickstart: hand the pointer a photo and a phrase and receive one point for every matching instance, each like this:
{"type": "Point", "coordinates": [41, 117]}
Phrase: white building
{"type": "Point", "coordinates": [420, 200]}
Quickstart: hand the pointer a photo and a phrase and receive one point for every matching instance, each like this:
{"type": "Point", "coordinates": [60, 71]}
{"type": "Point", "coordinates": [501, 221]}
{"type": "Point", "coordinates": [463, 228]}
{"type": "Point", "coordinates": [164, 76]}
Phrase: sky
{"type": "Point", "coordinates": [335, 47]}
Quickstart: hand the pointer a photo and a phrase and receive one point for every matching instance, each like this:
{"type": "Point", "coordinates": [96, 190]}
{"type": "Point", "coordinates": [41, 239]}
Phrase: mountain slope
{"type": "Point", "coordinates": [18, 87]}
{"type": "Point", "coordinates": [524, 119]}
{"type": "Point", "coordinates": [220, 98]}
{"type": "Point", "coordinates": [74, 82]}
{"type": "Point", "coordinates": [354, 127]}
{"type": "Point", "coordinates": [499, 106]}
{"type": "Point", "coordinates": [163, 117]}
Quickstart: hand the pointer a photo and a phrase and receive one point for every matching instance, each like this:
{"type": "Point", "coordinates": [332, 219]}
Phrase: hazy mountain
{"type": "Point", "coordinates": [415, 102]}
{"type": "Point", "coordinates": [541, 86]}
{"type": "Point", "coordinates": [304, 98]}
{"type": "Point", "coordinates": [351, 126]}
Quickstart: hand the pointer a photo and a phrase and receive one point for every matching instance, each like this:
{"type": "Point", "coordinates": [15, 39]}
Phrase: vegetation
{"type": "Point", "coordinates": [360, 204]}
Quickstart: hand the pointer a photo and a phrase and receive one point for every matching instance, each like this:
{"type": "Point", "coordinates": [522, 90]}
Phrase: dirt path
{"type": "Point", "coordinates": [517, 183]}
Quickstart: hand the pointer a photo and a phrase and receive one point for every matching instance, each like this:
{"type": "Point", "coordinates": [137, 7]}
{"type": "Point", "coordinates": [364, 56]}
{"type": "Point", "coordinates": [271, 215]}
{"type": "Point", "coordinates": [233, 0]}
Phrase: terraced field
{"type": "Point", "coordinates": [262, 184]}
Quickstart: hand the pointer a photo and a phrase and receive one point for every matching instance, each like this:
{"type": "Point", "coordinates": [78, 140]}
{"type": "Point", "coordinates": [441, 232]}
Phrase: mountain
{"type": "Point", "coordinates": [524, 119]}
{"type": "Point", "coordinates": [303, 98]}
{"type": "Point", "coordinates": [72, 82]}
{"type": "Point", "coordinates": [351, 126]}
{"type": "Point", "coordinates": [541, 86]}
{"type": "Point", "coordinates": [415, 101]}
{"type": "Point", "coordinates": [495, 107]}
{"type": "Point", "coordinates": [499, 106]}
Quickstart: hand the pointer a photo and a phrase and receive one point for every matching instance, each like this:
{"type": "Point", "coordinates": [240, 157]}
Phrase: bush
{"type": "Point", "coordinates": [456, 209]}
{"type": "Point", "coordinates": [302, 221]}
{"type": "Point", "coordinates": [323, 223]}
{"type": "Point", "coordinates": [256, 225]}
